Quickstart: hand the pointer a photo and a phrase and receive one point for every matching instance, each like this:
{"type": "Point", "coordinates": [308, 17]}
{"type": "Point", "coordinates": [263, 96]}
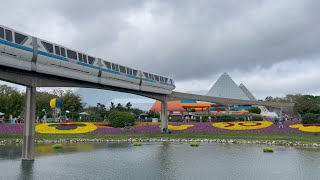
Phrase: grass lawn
{"type": "Point", "coordinates": [305, 138]}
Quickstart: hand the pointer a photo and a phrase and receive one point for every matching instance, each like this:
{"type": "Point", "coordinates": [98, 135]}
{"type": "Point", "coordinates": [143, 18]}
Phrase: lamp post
{"type": "Point", "coordinates": [65, 115]}
{"type": "Point", "coordinates": [45, 115]}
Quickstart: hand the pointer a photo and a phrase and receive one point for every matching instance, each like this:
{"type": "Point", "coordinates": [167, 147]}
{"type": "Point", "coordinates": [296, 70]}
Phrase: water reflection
{"type": "Point", "coordinates": [10, 152]}
{"type": "Point", "coordinates": [154, 161]}
{"type": "Point", "coordinates": [26, 170]}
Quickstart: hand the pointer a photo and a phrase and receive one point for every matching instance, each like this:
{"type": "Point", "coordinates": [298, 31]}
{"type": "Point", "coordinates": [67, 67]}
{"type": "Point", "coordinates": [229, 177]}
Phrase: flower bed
{"type": "Point", "coordinates": [249, 125]}
{"type": "Point", "coordinates": [245, 126]}
{"type": "Point", "coordinates": [65, 128]}
{"type": "Point", "coordinates": [315, 128]}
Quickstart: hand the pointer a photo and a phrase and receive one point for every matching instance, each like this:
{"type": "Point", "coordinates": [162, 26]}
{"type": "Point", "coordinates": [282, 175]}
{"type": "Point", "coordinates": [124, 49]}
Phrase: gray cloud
{"type": "Point", "coordinates": [193, 41]}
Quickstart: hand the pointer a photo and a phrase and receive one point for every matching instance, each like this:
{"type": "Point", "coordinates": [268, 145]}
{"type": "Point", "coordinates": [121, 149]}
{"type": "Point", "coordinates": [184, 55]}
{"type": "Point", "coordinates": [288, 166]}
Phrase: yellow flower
{"type": "Point", "coordinates": [57, 128]}
{"type": "Point", "coordinates": [306, 127]}
{"type": "Point", "coordinates": [179, 128]}
{"type": "Point", "coordinates": [245, 125]}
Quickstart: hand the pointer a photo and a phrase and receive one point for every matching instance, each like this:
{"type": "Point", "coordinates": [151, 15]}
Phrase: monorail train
{"type": "Point", "coordinates": [26, 52]}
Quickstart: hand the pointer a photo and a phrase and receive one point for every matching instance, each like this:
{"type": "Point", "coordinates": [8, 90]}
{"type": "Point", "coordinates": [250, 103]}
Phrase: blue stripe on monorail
{"type": "Point", "coordinates": [8, 43]}
{"type": "Point", "coordinates": [52, 56]}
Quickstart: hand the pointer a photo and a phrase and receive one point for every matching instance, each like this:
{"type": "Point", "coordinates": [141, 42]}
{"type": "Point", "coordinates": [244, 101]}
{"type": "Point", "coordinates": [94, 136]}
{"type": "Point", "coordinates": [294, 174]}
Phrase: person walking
{"type": "Point", "coordinates": [280, 124]}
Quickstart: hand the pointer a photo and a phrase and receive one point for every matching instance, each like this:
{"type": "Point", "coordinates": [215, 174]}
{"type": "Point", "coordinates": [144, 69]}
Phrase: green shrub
{"type": "Point", "coordinates": [194, 144]}
{"type": "Point", "coordinates": [137, 143]}
{"type": "Point", "coordinates": [257, 118]}
{"type": "Point", "coordinates": [255, 110]}
{"type": "Point", "coordinates": [120, 118]}
{"type": "Point", "coordinates": [57, 146]}
{"type": "Point", "coordinates": [310, 118]}
{"type": "Point", "coordinates": [226, 118]}
{"type": "Point", "coordinates": [235, 117]}
{"type": "Point", "coordinates": [268, 149]}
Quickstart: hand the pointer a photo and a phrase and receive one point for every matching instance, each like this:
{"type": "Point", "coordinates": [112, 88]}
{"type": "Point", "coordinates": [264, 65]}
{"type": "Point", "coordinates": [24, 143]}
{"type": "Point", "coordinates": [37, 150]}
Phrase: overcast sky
{"type": "Point", "coordinates": [272, 47]}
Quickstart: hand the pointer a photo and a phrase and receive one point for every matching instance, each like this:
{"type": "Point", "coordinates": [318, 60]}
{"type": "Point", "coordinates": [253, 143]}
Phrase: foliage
{"type": "Point", "coordinates": [98, 113]}
{"type": "Point", "coordinates": [137, 143]}
{"type": "Point", "coordinates": [57, 146]}
{"type": "Point", "coordinates": [43, 99]}
{"type": "Point", "coordinates": [128, 106]}
{"type": "Point", "coordinates": [71, 101]}
{"type": "Point", "coordinates": [289, 98]}
{"type": "Point", "coordinates": [194, 144]}
{"type": "Point", "coordinates": [268, 149]}
{"type": "Point", "coordinates": [119, 118]}
{"type": "Point", "coordinates": [153, 114]}
{"type": "Point", "coordinates": [255, 110]}
{"type": "Point", "coordinates": [11, 101]}
{"type": "Point", "coordinates": [307, 104]}
{"type": "Point", "coordinates": [235, 117]}
{"type": "Point", "coordinates": [310, 118]}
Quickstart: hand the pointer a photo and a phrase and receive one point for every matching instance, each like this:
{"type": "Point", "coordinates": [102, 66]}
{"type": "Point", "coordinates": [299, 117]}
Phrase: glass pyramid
{"type": "Point", "coordinates": [225, 87]}
{"type": "Point", "coordinates": [247, 92]}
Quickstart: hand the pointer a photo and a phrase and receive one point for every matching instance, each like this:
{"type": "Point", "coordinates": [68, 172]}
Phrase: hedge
{"type": "Point", "coordinates": [120, 118]}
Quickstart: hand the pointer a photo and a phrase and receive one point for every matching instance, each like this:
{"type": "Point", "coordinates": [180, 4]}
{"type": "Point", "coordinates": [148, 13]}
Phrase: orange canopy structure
{"type": "Point", "coordinates": [178, 106]}
{"type": "Point", "coordinates": [172, 106]}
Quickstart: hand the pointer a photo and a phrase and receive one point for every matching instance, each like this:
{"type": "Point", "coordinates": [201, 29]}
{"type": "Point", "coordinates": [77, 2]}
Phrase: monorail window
{"type": "Point", "coordinates": [108, 65]}
{"type": "Point", "coordinates": [161, 78]}
{"type": "Point", "coordinates": [1, 33]}
{"type": "Point", "coordinates": [122, 69]}
{"type": "Point", "coordinates": [146, 75]}
{"type": "Point", "coordinates": [72, 54]}
{"type": "Point", "coordinates": [135, 72]}
{"type": "Point", "coordinates": [91, 60]}
{"type": "Point", "coordinates": [48, 46]}
{"type": "Point", "coordinates": [19, 38]}
{"type": "Point", "coordinates": [171, 82]}
{"type": "Point", "coordinates": [63, 52]}
{"type": "Point", "coordinates": [85, 59]}
{"type": "Point", "coordinates": [8, 35]}
{"type": "Point", "coordinates": [128, 70]}
{"type": "Point", "coordinates": [80, 57]}
{"type": "Point", "coordinates": [156, 77]}
{"type": "Point", "coordinates": [165, 80]}
{"type": "Point", "coordinates": [151, 76]}
{"type": "Point", "coordinates": [113, 67]}
{"type": "Point", "coordinates": [57, 49]}
{"type": "Point", "coordinates": [131, 72]}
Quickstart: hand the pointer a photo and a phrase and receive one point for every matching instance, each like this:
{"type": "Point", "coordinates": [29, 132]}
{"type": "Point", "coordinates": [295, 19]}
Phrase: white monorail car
{"type": "Point", "coordinates": [29, 53]}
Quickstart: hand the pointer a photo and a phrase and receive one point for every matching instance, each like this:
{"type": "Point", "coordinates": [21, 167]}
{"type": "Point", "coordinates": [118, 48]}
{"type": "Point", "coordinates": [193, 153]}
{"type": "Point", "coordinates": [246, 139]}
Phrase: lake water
{"type": "Point", "coordinates": [161, 161]}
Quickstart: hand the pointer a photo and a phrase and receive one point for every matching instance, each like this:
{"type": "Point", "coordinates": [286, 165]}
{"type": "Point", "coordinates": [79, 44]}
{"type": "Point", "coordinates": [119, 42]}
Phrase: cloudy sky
{"type": "Point", "coordinates": [272, 47]}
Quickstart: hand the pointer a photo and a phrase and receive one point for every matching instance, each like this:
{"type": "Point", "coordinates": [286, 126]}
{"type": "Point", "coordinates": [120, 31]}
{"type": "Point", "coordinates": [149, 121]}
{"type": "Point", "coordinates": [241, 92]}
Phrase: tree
{"type": "Point", "coordinates": [255, 110]}
{"type": "Point", "coordinates": [11, 101]}
{"type": "Point", "coordinates": [307, 104]}
{"type": "Point", "coordinates": [128, 106]}
{"type": "Point", "coordinates": [71, 101]}
{"type": "Point", "coordinates": [120, 107]}
{"type": "Point", "coordinates": [153, 114]}
{"type": "Point", "coordinates": [119, 119]}
{"type": "Point", "coordinates": [112, 106]}
{"type": "Point", "coordinates": [43, 102]}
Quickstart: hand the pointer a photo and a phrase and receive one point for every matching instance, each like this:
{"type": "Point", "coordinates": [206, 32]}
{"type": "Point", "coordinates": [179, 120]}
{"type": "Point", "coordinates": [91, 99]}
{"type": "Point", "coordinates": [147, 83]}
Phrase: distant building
{"type": "Point", "coordinates": [225, 87]}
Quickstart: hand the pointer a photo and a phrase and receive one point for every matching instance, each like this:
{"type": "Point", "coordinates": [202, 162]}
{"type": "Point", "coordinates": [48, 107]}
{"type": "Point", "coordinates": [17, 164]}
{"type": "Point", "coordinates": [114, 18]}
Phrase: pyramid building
{"type": "Point", "coordinates": [225, 87]}
{"type": "Point", "coordinates": [247, 92]}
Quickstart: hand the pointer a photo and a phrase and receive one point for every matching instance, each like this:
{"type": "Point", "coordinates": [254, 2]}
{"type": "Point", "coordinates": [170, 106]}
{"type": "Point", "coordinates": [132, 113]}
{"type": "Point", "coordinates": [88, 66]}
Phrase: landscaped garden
{"type": "Point", "coordinates": [143, 127]}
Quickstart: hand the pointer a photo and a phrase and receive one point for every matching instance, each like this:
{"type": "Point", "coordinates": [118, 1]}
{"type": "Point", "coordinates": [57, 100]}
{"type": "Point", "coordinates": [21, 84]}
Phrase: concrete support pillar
{"type": "Point", "coordinates": [29, 124]}
{"type": "Point", "coordinates": [280, 113]}
{"type": "Point", "coordinates": [227, 110]}
{"type": "Point", "coordinates": [164, 114]}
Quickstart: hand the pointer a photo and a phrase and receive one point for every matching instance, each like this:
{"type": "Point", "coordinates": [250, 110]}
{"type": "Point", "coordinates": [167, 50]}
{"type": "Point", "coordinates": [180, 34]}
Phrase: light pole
{"type": "Point", "coordinates": [65, 115]}
{"type": "Point", "coordinates": [45, 115]}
